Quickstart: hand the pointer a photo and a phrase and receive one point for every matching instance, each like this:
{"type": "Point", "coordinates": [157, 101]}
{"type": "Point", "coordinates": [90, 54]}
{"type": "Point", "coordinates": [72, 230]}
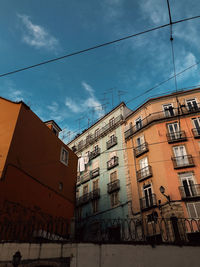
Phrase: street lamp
{"type": "Point", "coordinates": [16, 259]}
{"type": "Point", "coordinates": [162, 191]}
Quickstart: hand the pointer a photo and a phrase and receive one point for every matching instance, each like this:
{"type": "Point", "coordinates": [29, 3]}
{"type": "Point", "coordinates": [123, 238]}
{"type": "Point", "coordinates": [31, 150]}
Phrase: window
{"type": "Point", "coordinates": [138, 123]}
{"type": "Point", "coordinates": [112, 121]}
{"type": "Point", "coordinates": [168, 110]}
{"type": "Point", "coordinates": [113, 176]}
{"type": "Point", "coordinates": [174, 131]}
{"type": "Point", "coordinates": [196, 122]}
{"type": "Point", "coordinates": [187, 181]}
{"type": "Point", "coordinates": [192, 104]}
{"type": "Point", "coordinates": [96, 148]}
{"type": "Point", "coordinates": [60, 186]}
{"type": "Point", "coordinates": [144, 169]}
{"type": "Point", "coordinates": [97, 132]}
{"type": "Point", "coordinates": [114, 199]}
{"type": "Point", "coordinates": [194, 209]}
{"type": "Point", "coordinates": [180, 155]}
{"type": "Point", "coordinates": [148, 195]}
{"type": "Point", "coordinates": [85, 189]}
{"type": "Point", "coordinates": [95, 184]}
{"type": "Point", "coordinates": [112, 138]}
{"type": "Point", "coordinates": [95, 205]}
{"type": "Point", "coordinates": [64, 156]}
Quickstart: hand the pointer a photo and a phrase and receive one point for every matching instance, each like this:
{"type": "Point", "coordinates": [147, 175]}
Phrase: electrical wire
{"type": "Point", "coordinates": [95, 47]}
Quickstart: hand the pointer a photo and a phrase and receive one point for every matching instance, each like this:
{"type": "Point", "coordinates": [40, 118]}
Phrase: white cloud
{"type": "Point", "coordinates": [53, 107]}
{"type": "Point", "coordinates": [37, 36]}
{"type": "Point", "coordinates": [83, 105]}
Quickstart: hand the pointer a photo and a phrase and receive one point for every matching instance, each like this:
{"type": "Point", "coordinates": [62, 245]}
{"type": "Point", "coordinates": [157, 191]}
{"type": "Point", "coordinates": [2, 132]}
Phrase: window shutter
{"type": "Point", "coordinates": [191, 210]}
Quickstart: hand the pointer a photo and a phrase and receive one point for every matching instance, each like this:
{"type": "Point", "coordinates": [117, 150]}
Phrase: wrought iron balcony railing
{"type": "Point", "coordinates": [95, 194]}
{"type": "Point", "coordinates": [139, 150]}
{"type": "Point", "coordinates": [196, 132]}
{"type": "Point", "coordinates": [189, 191]}
{"type": "Point", "coordinates": [84, 199]}
{"type": "Point", "coordinates": [91, 138]}
{"type": "Point", "coordinates": [112, 163]}
{"type": "Point", "coordinates": [95, 153]}
{"type": "Point", "coordinates": [176, 137]}
{"type": "Point", "coordinates": [183, 161]}
{"type": "Point", "coordinates": [144, 173]}
{"type": "Point", "coordinates": [148, 202]}
{"type": "Point", "coordinates": [113, 186]}
{"type": "Point", "coordinates": [85, 177]}
{"type": "Point", "coordinates": [112, 142]}
{"type": "Point", "coordinates": [162, 115]}
{"type": "Point", "coordinates": [94, 173]}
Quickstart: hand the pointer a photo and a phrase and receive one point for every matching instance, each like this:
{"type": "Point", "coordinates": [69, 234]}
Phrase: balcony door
{"type": "Point", "coordinates": [144, 170]}
{"type": "Point", "coordinates": [187, 181]}
{"type": "Point", "coordinates": [192, 105]}
{"type": "Point", "coordinates": [168, 110]}
{"type": "Point", "coordinates": [148, 195]}
{"type": "Point", "coordinates": [196, 123]}
{"type": "Point", "coordinates": [174, 130]}
{"type": "Point", "coordinates": [139, 142]}
{"type": "Point", "coordinates": [180, 155]}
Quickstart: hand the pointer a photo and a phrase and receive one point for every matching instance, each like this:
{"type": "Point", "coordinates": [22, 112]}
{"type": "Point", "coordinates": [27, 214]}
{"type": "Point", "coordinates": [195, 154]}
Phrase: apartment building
{"type": "Point", "coordinates": [102, 186]}
{"type": "Point", "coordinates": [163, 145]}
{"type": "Point", "coordinates": [37, 170]}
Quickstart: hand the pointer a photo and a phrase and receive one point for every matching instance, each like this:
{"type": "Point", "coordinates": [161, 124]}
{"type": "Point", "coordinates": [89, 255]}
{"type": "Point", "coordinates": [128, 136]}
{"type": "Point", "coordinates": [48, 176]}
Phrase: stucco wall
{"type": "Point", "coordinates": [82, 255]}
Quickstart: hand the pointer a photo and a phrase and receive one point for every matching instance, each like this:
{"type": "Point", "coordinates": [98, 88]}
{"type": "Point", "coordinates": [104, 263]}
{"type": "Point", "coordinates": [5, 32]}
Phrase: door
{"type": "Point", "coordinates": [144, 169]}
{"type": "Point", "coordinates": [174, 131]}
{"type": "Point", "coordinates": [196, 123]}
{"type": "Point", "coordinates": [168, 110]}
{"type": "Point", "coordinates": [180, 155]}
{"type": "Point", "coordinates": [139, 143]}
{"type": "Point", "coordinates": [192, 104]}
{"type": "Point", "coordinates": [148, 196]}
{"type": "Point", "coordinates": [187, 181]}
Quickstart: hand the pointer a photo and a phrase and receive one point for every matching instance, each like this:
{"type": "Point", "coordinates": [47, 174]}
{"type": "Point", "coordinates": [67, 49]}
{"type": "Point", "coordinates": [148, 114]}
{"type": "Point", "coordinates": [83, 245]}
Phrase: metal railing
{"type": "Point", "coordinates": [95, 194]}
{"type": "Point", "coordinates": [176, 137]}
{"type": "Point", "coordinates": [84, 199]}
{"type": "Point", "coordinates": [94, 173]}
{"type": "Point", "coordinates": [162, 115]}
{"type": "Point", "coordinates": [189, 191]}
{"type": "Point", "coordinates": [112, 163]}
{"type": "Point", "coordinates": [173, 230]}
{"type": "Point", "coordinates": [148, 202]}
{"type": "Point", "coordinates": [139, 150]}
{"type": "Point", "coordinates": [113, 186]}
{"type": "Point", "coordinates": [85, 177]}
{"type": "Point", "coordinates": [144, 173]}
{"type": "Point", "coordinates": [95, 153]}
{"type": "Point", "coordinates": [183, 161]}
{"type": "Point", "coordinates": [91, 138]}
{"type": "Point", "coordinates": [112, 142]}
{"type": "Point", "coordinates": [196, 132]}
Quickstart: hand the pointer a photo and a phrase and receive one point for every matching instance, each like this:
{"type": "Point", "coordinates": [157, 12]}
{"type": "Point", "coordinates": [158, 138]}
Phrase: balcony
{"type": "Point", "coordinates": [144, 173]}
{"type": "Point", "coordinates": [190, 191]}
{"type": "Point", "coordinates": [139, 150]}
{"type": "Point", "coordinates": [112, 163]}
{"type": "Point", "coordinates": [84, 199]}
{"type": "Point", "coordinates": [196, 132]}
{"type": "Point", "coordinates": [95, 194]}
{"type": "Point", "coordinates": [90, 139]}
{"type": "Point", "coordinates": [148, 202]}
{"type": "Point", "coordinates": [176, 137]}
{"type": "Point", "coordinates": [94, 173]}
{"type": "Point", "coordinates": [128, 133]}
{"type": "Point", "coordinates": [183, 161]}
{"type": "Point", "coordinates": [113, 186]}
{"type": "Point", "coordinates": [85, 177]}
{"type": "Point", "coordinates": [112, 142]}
{"type": "Point", "coordinates": [78, 181]}
{"type": "Point", "coordinates": [95, 153]}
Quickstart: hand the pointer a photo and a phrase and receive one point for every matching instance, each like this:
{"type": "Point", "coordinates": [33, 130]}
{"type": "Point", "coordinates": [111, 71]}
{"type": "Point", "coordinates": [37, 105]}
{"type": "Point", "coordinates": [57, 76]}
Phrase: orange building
{"type": "Point", "coordinates": [37, 170]}
{"type": "Point", "coordinates": [163, 146]}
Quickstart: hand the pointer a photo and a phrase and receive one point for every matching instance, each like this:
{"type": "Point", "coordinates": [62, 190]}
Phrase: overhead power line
{"type": "Point", "coordinates": [95, 47]}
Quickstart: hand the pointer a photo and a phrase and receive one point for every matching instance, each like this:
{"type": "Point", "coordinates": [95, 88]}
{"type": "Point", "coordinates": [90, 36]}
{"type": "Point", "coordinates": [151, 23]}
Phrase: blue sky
{"type": "Point", "coordinates": [72, 91]}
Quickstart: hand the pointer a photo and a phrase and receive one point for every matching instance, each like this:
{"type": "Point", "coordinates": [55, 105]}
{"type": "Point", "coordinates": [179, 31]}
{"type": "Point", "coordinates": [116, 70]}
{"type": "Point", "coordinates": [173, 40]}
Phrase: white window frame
{"type": "Point", "coordinates": [190, 100]}
{"type": "Point", "coordinates": [64, 161]}
{"type": "Point", "coordinates": [167, 111]}
{"type": "Point", "coordinates": [193, 203]}
{"type": "Point", "coordinates": [139, 119]}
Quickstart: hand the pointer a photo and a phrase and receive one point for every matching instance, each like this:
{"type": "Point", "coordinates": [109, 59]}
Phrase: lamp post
{"type": "Point", "coordinates": [16, 259]}
{"type": "Point", "coordinates": [162, 191]}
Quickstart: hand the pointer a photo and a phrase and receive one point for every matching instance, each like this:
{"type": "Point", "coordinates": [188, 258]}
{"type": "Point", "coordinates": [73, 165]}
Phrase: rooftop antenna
{"type": "Point", "coordinates": [111, 90]}
{"type": "Point", "coordinates": [79, 122]}
{"type": "Point", "coordinates": [120, 93]}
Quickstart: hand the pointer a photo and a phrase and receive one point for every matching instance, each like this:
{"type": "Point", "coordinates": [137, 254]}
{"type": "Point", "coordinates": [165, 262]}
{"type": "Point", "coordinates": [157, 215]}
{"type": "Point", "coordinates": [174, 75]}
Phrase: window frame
{"type": "Point", "coordinates": [65, 162]}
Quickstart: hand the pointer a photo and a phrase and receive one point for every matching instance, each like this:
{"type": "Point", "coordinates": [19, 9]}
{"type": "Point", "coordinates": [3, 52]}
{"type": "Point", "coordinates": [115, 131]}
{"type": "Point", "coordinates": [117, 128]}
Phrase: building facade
{"type": "Point", "coordinates": [163, 146]}
{"type": "Point", "coordinates": [37, 170]}
{"type": "Point", "coordinates": [102, 186]}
